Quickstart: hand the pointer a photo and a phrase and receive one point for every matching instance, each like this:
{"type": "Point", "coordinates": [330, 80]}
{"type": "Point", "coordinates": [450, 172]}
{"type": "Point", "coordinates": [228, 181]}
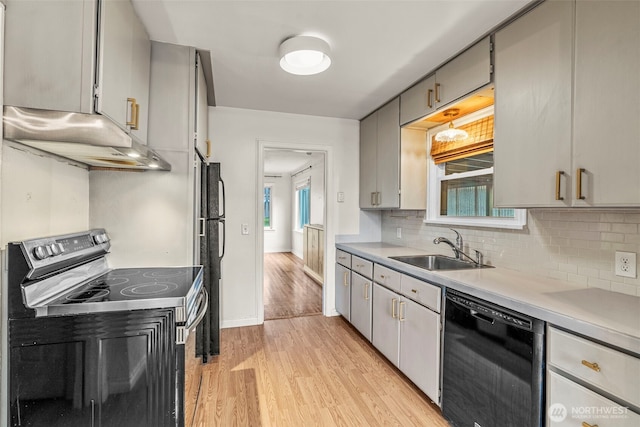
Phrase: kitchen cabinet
{"type": "Point", "coordinates": [343, 291]}
{"type": "Point", "coordinates": [84, 56]}
{"type": "Point", "coordinates": [584, 374]}
{"type": "Point", "coordinates": [465, 73]}
{"type": "Point", "coordinates": [202, 142]}
{"type": "Point", "coordinates": [380, 158]}
{"type": "Point", "coordinates": [313, 252]}
{"type": "Point", "coordinates": [393, 162]}
{"type": "Point", "coordinates": [566, 75]}
{"type": "Point", "coordinates": [532, 141]}
{"type": "Point", "coordinates": [408, 334]}
{"type": "Point", "coordinates": [361, 292]}
{"type": "Point", "coordinates": [606, 129]}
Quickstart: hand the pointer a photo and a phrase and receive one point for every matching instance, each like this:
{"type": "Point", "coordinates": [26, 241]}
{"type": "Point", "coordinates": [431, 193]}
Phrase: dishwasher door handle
{"type": "Point", "coordinates": [481, 316]}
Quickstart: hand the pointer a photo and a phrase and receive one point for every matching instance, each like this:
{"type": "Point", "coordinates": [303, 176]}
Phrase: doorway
{"type": "Point", "coordinates": [294, 198]}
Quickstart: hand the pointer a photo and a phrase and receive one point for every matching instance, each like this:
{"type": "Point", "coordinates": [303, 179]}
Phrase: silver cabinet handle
{"type": "Point", "coordinates": [402, 318]}
{"type": "Point", "coordinates": [345, 282]}
{"type": "Point", "coordinates": [366, 291]}
{"type": "Point", "coordinates": [93, 413]}
{"type": "Point", "coordinates": [393, 308]}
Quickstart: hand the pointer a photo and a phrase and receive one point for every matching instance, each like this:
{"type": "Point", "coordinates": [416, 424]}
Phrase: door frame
{"type": "Point", "coordinates": [328, 290]}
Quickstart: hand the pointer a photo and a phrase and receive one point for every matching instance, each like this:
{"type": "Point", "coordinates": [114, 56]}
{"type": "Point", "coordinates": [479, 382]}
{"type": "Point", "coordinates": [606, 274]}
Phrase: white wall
{"type": "Point", "coordinates": [575, 246]}
{"type": "Point", "coordinates": [278, 239]}
{"type": "Point", "coordinates": [40, 195]}
{"type": "Point", "coordinates": [237, 134]}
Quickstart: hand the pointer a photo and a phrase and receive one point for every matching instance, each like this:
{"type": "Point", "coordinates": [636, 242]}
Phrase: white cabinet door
{"type": "Point", "coordinates": [343, 291]}
{"type": "Point", "coordinates": [368, 160]}
{"type": "Point", "coordinates": [417, 101]}
{"type": "Point", "coordinates": [385, 328]}
{"type": "Point", "coordinates": [607, 102]}
{"type": "Point", "coordinates": [420, 347]}
{"type": "Point", "coordinates": [465, 73]}
{"type": "Point", "coordinates": [361, 304]}
{"type": "Point", "coordinates": [533, 75]}
{"type": "Point", "coordinates": [388, 157]}
{"type": "Point", "coordinates": [140, 77]}
{"type": "Point", "coordinates": [202, 113]}
{"type": "Point", "coordinates": [124, 65]}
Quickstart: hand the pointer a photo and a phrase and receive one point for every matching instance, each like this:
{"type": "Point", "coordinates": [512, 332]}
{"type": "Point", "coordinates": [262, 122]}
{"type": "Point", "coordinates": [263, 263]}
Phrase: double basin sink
{"type": "Point", "coordinates": [438, 262]}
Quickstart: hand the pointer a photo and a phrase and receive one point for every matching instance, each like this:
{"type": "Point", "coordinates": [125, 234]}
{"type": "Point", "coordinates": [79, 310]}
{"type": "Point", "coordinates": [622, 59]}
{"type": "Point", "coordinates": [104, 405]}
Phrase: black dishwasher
{"type": "Point", "coordinates": [493, 365]}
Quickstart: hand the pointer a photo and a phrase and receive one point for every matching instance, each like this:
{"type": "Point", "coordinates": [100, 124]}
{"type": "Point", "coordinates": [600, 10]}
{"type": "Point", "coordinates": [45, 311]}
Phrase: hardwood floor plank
{"type": "Point", "coordinates": [288, 291]}
{"type": "Point", "coordinates": [307, 371]}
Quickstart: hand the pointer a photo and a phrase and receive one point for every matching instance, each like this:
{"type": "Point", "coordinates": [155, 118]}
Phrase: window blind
{"type": "Point", "coordinates": [480, 141]}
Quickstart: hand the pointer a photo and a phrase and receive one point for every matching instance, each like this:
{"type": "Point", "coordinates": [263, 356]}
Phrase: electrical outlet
{"type": "Point", "coordinates": [340, 197]}
{"type": "Point", "coordinates": [625, 264]}
{"type": "Point", "coordinates": [245, 229]}
{"type": "Point", "coordinates": [399, 233]}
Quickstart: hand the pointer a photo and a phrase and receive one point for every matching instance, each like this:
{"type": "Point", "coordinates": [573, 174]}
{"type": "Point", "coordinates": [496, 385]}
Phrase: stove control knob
{"type": "Point", "coordinates": [55, 249]}
{"type": "Point", "coordinates": [105, 238]}
{"type": "Point", "coordinates": [98, 238]}
{"type": "Point", "coordinates": [40, 252]}
{"type": "Point", "coordinates": [60, 248]}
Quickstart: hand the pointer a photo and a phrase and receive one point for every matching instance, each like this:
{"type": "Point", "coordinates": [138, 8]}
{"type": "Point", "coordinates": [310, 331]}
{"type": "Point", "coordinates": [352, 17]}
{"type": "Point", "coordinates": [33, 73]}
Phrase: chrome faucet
{"type": "Point", "coordinates": [458, 248]}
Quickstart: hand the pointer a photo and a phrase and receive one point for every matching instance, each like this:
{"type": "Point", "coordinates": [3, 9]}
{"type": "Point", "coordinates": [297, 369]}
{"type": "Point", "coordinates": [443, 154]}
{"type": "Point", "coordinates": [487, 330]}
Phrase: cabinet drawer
{"type": "Point", "coordinates": [343, 258]}
{"type": "Point", "coordinates": [386, 277]}
{"type": "Point", "coordinates": [362, 266]}
{"type": "Point", "coordinates": [583, 406]}
{"type": "Point", "coordinates": [422, 292]}
{"type": "Point", "coordinates": [614, 369]}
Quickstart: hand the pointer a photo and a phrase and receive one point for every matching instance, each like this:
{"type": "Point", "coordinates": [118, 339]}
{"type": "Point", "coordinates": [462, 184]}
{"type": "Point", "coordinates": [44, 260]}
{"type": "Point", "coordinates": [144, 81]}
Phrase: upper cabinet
{"type": "Point", "coordinates": [393, 162]}
{"type": "Point", "coordinates": [203, 145]}
{"type": "Point", "coordinates": [465, 73]}
{"type": "Point", "coordinates": [561, 89]}
{"type": "Point", "coordinates": [380, 158]}
{"type": "Point", "coordinates": [84, 56]}
{"type": "Point", "coordinates": [532, 135]}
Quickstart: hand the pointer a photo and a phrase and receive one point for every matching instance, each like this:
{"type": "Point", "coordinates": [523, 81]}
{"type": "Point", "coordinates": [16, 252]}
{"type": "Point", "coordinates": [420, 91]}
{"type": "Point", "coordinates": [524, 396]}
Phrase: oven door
{"type": "Point", "coordinates": [189, 367]}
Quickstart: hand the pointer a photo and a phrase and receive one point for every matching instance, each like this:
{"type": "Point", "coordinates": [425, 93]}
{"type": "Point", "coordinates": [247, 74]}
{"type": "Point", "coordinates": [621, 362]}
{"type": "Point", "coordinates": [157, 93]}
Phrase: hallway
{"type": "Point", "coordinates": [288, 291]}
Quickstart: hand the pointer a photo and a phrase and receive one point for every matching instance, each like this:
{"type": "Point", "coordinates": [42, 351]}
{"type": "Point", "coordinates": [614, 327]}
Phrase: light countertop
{"type": "Point", "coordinates": [603, 315]}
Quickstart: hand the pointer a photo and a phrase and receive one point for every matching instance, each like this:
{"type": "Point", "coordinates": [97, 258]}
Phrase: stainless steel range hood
{"type": "Point", "coordinates": [91, 139]}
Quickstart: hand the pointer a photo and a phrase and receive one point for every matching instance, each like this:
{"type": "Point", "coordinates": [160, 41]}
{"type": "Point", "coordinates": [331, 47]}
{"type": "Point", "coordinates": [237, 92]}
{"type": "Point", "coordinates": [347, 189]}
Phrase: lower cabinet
{"type": "Point", "coordinates": [588, 383]}
{"type": "Point", "coordinates": [408, 334]}
{"type": "Point", "coordinates": [343, 291]}
{"type": "Point", "coordinates": [361, 293]}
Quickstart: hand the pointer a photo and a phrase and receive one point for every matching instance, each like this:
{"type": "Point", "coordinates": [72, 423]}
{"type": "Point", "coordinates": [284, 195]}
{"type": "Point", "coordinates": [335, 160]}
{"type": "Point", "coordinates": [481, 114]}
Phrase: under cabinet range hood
{"type": "Point", "coordinates": [91, 139]}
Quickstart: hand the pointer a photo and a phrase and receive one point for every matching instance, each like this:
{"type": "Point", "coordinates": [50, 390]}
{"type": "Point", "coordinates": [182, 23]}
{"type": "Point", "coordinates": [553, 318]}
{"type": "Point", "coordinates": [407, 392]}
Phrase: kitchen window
{"type": "Point", "coordinates": [460, 178]}
{"type": "Point", "coordinates": [268, 210]}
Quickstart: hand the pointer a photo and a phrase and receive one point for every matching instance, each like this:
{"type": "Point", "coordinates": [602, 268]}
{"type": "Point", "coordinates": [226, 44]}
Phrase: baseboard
{"type": "Point", "coordinates": [237, 323]}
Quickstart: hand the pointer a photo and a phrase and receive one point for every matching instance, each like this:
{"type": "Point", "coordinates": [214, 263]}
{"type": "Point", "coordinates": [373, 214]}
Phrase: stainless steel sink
{"type": "Point", "coordinates": [438, 262]}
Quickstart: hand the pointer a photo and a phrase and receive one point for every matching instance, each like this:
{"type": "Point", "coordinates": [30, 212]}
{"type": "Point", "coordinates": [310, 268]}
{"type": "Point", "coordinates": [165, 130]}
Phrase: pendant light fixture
{"type": "Point", "coordinates": [304, 55]}
{"type": "Point", "coordinates": [451, 134]}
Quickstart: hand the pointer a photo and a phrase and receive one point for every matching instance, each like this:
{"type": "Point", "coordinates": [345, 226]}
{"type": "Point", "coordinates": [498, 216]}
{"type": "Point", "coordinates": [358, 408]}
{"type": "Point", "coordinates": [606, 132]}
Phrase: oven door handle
{"type": "Point", "coordinates": [203, 304]}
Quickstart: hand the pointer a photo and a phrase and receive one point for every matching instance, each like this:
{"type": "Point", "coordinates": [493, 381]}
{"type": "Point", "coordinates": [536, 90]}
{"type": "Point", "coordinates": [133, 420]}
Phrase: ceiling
{"type": "Point", "coordinates": [288, 161]}
{"type": "Point", "coordinates": [378, 48]}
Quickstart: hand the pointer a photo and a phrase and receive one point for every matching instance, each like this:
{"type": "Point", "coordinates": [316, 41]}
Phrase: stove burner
{"type": "Point", "coordinates": [89, 294]}
{"type": "Point", "coordinates": [144, 290]}
{"type": "Point", "coordinates": [163, 274]}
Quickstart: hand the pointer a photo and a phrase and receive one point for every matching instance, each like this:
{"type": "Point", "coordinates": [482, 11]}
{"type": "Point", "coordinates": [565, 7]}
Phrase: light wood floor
{"type": "Point", "coordinates": [288, 292]}
{"type": "Point", "coordinates": [307, 371]}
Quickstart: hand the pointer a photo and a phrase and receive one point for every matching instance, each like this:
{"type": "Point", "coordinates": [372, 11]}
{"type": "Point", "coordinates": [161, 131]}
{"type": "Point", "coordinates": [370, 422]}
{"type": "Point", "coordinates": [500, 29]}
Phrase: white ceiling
{"type": "Point", "coordinates": [288, 161]}
{"type": "Point", "coordinates": [379, 48]}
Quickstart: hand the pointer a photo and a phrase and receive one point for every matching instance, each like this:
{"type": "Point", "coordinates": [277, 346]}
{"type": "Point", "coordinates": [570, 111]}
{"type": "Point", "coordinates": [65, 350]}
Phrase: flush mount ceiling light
{"type": "Point", "coordinates": [304, 55]}
{"type": "Point", "coordinates": [451, 134]}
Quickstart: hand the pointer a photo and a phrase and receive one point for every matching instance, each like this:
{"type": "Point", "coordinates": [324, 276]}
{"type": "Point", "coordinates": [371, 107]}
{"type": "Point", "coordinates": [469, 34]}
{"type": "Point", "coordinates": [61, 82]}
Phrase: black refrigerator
{"type": "Point", "coordinates": [212, 242]}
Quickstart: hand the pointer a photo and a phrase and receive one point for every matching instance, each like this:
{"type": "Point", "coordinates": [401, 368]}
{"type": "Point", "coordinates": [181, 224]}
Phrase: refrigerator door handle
{"type": "Point", "coordinates": [224, 201]}
{"type": "Point", "coordinates": [224, 237]}
{"type": "Point", "coordinates": [202, 232]}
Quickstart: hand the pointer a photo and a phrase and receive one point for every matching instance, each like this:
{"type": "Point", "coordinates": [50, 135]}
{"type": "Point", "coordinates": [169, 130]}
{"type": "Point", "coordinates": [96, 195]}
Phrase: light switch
{"type": "Point", "coordinates": [340, 196]}
{"type": "Point", "coordinates": [245, 229]}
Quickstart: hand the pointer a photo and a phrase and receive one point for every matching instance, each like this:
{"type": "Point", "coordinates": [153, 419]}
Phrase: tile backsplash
{"type": "Point", "coordinates": [576, 246]}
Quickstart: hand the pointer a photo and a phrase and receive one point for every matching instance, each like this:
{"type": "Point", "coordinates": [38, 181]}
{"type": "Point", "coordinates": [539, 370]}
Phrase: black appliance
{"type": "Point", "coordinates": [94, 346]}
{"type": "Point", "coordinates": [493, 365]}
{"type": "Point", "coordinates": [212, 243]}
